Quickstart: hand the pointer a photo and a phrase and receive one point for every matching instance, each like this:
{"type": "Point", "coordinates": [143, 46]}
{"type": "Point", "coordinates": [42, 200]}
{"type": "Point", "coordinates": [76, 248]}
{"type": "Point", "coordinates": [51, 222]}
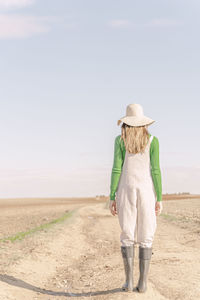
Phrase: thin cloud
{"type": "Point", "coordinates": [125, 23]}
{"type": "Point", "coordinates": [21, 26]}
{"type": "Point", "coordinates": [164, 23]}
{"type": "Point", "coordinates": [8, 4]}
{"type": "Point", "coordinates": [120, 23]}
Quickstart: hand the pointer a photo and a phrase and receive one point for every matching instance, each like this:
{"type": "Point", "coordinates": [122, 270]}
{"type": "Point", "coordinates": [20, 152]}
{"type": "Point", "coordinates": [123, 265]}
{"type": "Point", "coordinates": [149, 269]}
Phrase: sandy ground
{"type": "Point", "coordinates": [80, 258]}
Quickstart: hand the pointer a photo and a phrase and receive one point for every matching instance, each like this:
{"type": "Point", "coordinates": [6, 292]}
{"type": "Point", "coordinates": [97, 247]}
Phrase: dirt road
{"type": "Point", "coordinates": [80, 257]}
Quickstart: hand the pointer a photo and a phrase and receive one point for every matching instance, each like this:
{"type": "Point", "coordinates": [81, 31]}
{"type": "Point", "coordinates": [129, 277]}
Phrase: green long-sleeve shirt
{"type": "Point", "coordinates": [119, 155]}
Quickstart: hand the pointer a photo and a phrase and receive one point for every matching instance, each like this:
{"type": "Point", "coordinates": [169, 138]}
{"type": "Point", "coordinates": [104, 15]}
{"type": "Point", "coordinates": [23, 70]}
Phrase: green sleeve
{"type": "Point", "coordinates": [155, 167]}
{"type": "Point", "coordinates": [117, 167]}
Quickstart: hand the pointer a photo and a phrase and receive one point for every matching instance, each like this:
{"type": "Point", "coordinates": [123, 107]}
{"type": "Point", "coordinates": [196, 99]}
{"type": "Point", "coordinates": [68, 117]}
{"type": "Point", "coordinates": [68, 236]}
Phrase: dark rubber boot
{"type": "Point", "coordinates": [128, 259]}
{"type": "Point", "coordinates": [144, 257]}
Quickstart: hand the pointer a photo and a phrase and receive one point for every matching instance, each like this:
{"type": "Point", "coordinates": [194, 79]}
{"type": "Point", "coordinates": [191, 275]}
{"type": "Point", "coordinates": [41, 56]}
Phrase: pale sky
{"type": "Point", "coordinates": [68, 69]}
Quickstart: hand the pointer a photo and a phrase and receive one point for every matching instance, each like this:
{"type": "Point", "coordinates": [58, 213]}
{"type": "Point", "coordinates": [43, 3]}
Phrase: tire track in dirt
{"type": "Point", "coordinates": [98, 272]}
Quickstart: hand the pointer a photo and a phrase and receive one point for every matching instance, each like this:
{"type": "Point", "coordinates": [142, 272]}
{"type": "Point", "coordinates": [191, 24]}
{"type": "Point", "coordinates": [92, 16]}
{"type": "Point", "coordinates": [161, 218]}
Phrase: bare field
{"type": "Point", "coordinates": [79, 257]}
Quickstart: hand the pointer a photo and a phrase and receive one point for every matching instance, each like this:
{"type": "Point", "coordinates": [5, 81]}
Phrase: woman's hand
{"type": "Point", "coordinates": [158, 207]}
{"type": "Point", "coordinates": [113, 207]}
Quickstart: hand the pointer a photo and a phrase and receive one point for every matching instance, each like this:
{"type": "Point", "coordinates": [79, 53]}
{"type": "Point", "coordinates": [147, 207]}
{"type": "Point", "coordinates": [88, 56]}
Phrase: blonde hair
{"type": "Point", "coordinates": [135, 138]}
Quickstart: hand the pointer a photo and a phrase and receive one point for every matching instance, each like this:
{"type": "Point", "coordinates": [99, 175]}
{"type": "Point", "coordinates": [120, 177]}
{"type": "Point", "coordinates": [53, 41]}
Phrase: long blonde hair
{"type": "Point", "coordinates": [135, 138]}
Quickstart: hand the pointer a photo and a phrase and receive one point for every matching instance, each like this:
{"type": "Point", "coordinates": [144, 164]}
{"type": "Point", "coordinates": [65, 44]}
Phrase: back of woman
{"type": "Point", "coordinates": [136, 191]}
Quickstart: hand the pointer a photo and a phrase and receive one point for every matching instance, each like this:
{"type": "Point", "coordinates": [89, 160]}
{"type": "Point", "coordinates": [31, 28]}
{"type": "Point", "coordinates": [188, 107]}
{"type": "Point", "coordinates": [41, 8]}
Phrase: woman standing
{"type": "Point", "coordinates": [136, 191]}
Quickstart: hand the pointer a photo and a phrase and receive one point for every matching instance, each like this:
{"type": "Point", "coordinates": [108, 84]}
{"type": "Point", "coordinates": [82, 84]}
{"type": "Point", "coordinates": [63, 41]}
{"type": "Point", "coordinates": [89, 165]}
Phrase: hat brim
{"type": "Point", "coordinates": [136, 121]}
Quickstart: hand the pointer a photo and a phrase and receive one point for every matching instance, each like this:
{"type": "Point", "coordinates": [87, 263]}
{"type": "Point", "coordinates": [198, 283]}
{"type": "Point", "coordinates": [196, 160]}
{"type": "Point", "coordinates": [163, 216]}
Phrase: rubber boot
{"type": "Point", "coordinates": [144, 261]}
{"type": "Point", "coordinates": [128, 259]}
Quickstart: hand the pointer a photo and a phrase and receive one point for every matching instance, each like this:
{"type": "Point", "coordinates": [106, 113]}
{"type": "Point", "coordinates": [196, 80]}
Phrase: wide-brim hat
{"type": "Point", "coordinates": [135, 116]}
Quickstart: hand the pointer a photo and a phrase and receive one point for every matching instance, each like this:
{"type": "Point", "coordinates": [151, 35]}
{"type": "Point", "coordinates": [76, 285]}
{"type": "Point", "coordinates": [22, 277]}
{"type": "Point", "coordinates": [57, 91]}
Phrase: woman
{"type": "Point", "coordinates": [136, 191]}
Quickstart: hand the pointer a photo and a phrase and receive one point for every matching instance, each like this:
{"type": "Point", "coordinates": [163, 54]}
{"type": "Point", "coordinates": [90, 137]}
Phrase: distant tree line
{"type": "Point", "coordinates": [183, 193]}
{"type": "Point", "coordinates": [100, 196]}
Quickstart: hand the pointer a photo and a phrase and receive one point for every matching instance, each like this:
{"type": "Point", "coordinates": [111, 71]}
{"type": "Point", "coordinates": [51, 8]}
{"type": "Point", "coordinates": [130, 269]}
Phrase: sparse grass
{"type": "Point", "coordinates": [169, 217]}
{"type": "Point", "coordinates": [21, 235]}
{"type": "Point", "coordinates": [179, 218]}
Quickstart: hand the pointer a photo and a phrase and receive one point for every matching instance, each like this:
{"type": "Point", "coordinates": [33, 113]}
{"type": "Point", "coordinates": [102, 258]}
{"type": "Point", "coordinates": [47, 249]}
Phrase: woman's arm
{"type": "Point", "coordinates": [117, 167]}
{"type": "Point", "coordinates": [155, 167]}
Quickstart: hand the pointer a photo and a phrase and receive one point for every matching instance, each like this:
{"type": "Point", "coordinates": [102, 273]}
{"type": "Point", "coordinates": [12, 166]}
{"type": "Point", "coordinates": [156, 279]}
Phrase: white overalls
{"type": "Point", "coordinates": [135, 199]}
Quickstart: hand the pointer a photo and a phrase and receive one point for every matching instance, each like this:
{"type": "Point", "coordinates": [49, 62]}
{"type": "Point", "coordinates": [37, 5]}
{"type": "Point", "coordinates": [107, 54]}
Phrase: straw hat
{"type": "Point", "coordinates": [135, 116]}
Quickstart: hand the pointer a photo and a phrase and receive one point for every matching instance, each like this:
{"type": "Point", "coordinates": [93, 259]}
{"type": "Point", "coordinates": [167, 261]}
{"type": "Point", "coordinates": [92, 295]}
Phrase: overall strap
{"type": "Point", "coordinates": [151, 138]}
